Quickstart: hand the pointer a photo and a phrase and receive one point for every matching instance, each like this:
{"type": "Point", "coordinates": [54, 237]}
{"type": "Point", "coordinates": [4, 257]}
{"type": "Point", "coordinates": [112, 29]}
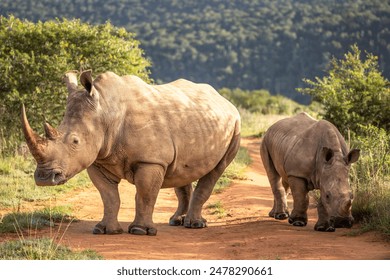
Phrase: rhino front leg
{"type": "Point", "coordinates": [183, 196]}
{"type": "Point", "coordinates": [148, 179]}
{"type": "Point", "coordinates": [107, 186]}
{"type": "Point", "coordinates": [300, 195]}
{"type": "Point", "coordinates": [323, 223]}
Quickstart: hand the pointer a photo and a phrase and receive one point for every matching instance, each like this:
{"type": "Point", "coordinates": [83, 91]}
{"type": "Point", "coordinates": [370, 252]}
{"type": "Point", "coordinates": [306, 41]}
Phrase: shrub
{"type": "Point", "coordinates": [354, 94]}
{"type": "Point", "coordinates": [356, 98]}
{"type": "Point", "coordinates": [35, 56]}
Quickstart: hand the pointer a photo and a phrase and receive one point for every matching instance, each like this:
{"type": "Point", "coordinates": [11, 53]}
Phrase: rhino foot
{"type": "Point", "coordinates": [100, 229]}
{"type": "Point", "coordinates": [280, 216]}
{"type": "Point", "coordinates": [324, 227]}
{"type": "Point", "coordinates": [298, 221]}
{"type": "Point", "coordinates": [198, 223]}
{"type": "Point", "coordinates": [141, 230]}
{"type": "Point", "coordinates": [176, 221]}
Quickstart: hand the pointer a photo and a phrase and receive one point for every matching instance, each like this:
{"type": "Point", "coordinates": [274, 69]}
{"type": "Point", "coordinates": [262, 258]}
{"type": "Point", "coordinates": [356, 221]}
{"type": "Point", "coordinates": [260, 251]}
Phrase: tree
{"type": "Point", "coordinates": [34, 58]}
{"type": "Point", "coordinates": [355, 95]}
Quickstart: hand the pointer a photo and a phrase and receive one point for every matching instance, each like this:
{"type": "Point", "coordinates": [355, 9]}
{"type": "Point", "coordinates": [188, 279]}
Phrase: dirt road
{"type": "Point", "coordinates": [245, 232]}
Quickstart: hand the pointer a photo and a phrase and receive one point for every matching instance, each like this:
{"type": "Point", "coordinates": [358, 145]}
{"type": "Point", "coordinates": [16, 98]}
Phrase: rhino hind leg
{"type": "Point", "coordinates": [300, 195]}
{"type": "Point", "coordinates": [279, 189]}
{"type": "Point", "coordinates": [183, 196]}
{"type": "Point", "coordinates": [205, 187]}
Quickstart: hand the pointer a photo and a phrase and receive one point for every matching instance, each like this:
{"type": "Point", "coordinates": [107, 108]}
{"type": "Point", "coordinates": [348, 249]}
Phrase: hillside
{"type": "Point", "coordinates": [248, 44]}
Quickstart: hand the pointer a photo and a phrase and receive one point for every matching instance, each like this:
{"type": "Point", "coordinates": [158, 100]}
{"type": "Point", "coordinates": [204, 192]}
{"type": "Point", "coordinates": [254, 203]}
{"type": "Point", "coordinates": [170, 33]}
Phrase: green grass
{"type": "Point", "coordinates": [370, 180]}
{"type": "Point", "coordinates": [17, 222]}
{"type": "Point", "coordinates": [235, 171]}
{"type": "Point", "coordinates": [217, 209]}
{"type": "Point", "coordinates": [17, 184]}
{"type": "Point", "coordinates": [255, 124]}
{"type": "Point", "coordinates": [42, 249]}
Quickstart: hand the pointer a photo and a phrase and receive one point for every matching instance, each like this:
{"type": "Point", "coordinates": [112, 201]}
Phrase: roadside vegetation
{"type": "Point", "coordinates": [356, 98]}
{"type": "Point", "coordinates": [42, 249]}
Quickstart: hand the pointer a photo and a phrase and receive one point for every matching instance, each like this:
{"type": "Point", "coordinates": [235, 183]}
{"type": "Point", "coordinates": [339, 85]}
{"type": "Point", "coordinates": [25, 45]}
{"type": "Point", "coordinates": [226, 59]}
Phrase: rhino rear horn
{"type": "Point", "coordinates": [51, 132]}
{"type": "Point", "coordinates": [34, 142]}
{"type": "Point", "coordinates": [70, 79]}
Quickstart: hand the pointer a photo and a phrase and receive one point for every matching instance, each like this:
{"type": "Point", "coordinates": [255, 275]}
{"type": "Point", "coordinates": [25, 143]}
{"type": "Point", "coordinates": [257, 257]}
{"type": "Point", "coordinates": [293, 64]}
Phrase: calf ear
{"type": "Point", "coordinates": [327, 154]}
{"type": "Point", "coordinates": [352, 156]}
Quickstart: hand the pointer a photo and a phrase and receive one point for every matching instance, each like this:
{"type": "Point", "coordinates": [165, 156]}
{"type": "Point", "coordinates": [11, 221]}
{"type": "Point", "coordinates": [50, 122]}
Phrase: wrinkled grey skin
{"type": "Point", "coordinates": [302, 154]}
{"type": "Point", "coordinates": [153, 136]}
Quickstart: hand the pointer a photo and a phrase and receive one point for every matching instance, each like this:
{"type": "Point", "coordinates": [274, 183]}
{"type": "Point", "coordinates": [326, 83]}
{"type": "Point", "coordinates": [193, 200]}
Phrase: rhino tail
{"type": "Point", "coordinates": [266, 159]}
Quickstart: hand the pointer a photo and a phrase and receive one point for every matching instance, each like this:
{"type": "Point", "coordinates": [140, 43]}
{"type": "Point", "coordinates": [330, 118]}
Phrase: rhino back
{"type": "Point", "coordinates": [292, 145]}
{"type": "Point", "coordinates": [183, 126]}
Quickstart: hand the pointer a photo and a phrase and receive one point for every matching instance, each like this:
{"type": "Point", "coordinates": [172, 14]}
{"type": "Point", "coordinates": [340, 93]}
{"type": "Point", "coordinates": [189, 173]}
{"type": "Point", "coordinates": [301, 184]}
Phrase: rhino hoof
{"type": "Point", "coordinates": [140, 230]}
{"type": "Point", "coordinates": [330, 229]}
{"type": "Point", "coordinates": [324, 228]}
{"type": "Point", "coordinates": [281, 216]}
{"type": "Point", "coordinates": [99, 230]}
{"type": "Point", "coordinates": [196, 223]}
{"type": "Point", "coordinates": [178, 221]}
{"type": "Point", "coordinates": [298, 222]}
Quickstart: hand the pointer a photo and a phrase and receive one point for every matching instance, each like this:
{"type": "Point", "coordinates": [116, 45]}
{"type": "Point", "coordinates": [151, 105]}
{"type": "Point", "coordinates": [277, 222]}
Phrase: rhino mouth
{"type": "Point", "coordinates": [342, 222]}
{"type": "Point", "coordinates": [51, 177]}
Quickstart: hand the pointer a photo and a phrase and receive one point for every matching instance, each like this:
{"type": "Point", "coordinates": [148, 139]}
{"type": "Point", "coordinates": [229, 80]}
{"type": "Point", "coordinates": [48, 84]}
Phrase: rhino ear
{"type": "Point", "coordinates": [352, 156]}
{"type": "Point", "coordinates": [327, 154]}
{"type": "Point", "coordinates": [86, 80]}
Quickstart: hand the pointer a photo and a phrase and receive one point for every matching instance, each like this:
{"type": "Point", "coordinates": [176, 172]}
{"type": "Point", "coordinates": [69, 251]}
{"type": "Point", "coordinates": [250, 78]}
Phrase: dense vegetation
{"type": "Point", "coordinates": [356, 98]}
{"type": "Point", "coordinates": [34, 58]}
{"type": "Point", "coordinates": [248, 44]}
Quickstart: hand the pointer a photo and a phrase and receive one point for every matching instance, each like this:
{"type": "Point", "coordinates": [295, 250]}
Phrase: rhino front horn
{"type": "Point", "coordinates": [34, 142]}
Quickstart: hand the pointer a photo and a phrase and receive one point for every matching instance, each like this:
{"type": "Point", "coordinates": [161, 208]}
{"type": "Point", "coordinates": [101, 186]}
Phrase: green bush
{"type": "Point", "coordinates": [35, 56]}
{"type": "Point", "coordinates": [354, 94]}
{"type": "Point", "coordinates": [356, 98]}
{"type": "Point", "coordinates": [370, 179]}
{"type": "Point", "coordinates": [261, 101]}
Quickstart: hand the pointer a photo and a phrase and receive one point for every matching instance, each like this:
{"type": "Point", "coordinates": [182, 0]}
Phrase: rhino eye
{"type": "Point", "coordinates": [76, 140]}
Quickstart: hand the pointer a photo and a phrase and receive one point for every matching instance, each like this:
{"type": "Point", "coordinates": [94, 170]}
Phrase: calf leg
{"type": "Point", "coordinates": [279, 210]}
{"type": "Point", "coordinates": [205, 187]}
{"type": "Point", "coordinates": [107, 186]}
{"type": "Point", "coordinates": [148, 179]}
{"type": "Point", "coordinates": [323, 219]}
{"type": "Point", "coordinates": [300, 195]}
{"type": "Point", "coordinates": [183, 196]}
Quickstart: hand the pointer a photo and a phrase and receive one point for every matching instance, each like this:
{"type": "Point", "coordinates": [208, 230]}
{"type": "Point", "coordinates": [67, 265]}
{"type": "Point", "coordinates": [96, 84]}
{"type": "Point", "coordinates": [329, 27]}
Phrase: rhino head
{"type": "Point", "coordinates": [74, 146]}
{"type": "Point", "coordinates": [334, 207]}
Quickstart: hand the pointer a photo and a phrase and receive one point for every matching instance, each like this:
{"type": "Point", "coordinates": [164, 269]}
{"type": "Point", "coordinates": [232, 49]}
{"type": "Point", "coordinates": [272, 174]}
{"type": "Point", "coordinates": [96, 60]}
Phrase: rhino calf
{"type": "Point", "coordinates": [153, 136]}
{"type": "Point", "coordinates": [302, 154]}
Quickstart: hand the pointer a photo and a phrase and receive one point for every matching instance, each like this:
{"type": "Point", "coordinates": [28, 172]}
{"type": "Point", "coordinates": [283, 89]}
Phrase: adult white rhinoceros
{"type": "Point", "coordinates": [303, 154]}
{"type": "Point", "coordinates": [153, 136]}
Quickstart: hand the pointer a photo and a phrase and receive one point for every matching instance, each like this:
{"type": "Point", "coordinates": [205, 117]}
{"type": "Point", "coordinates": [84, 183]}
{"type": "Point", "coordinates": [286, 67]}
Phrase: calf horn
{"type": "Point", "coordinates": [34, 142]}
